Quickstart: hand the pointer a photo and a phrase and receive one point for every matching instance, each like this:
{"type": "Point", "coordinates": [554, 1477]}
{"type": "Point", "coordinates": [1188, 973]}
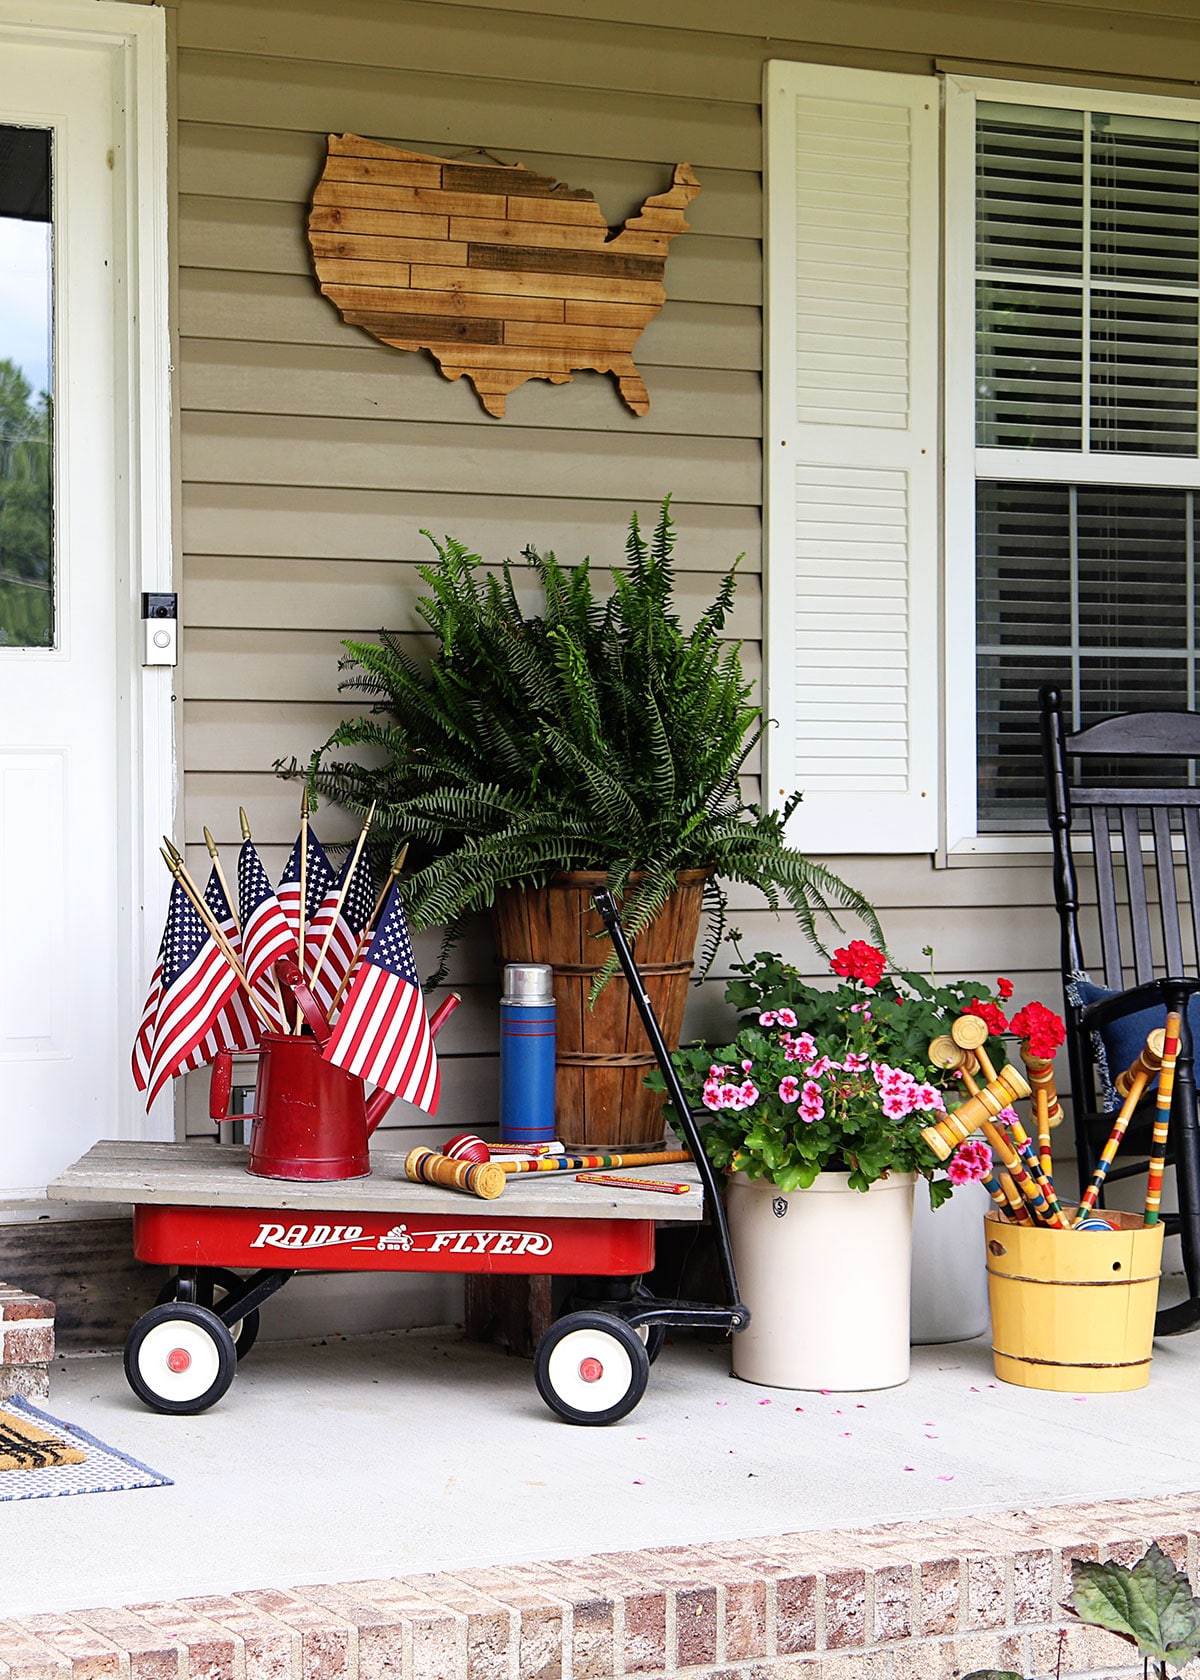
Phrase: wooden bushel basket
{"type": "Point", "coordinates": [602, 1054]}
{"type": "Point", "coordinates": [1074, 1310]}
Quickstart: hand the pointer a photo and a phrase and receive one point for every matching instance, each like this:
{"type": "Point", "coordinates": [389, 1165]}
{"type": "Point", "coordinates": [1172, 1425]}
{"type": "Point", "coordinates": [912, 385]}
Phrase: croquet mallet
{"type": "Point", "coordinates": [1130, 1084]}
{"type": "Point", "coordinates": [1162, 1118]}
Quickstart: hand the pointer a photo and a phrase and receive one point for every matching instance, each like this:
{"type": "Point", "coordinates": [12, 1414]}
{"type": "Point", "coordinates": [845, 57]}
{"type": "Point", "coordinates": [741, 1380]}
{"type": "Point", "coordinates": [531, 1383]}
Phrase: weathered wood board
{"type": "Point", "coordinates": [86, 1267]}
{"type": "Point", "coordinates": [214, 1175]}
{"type": "Point", "coordinates": [501, 274]}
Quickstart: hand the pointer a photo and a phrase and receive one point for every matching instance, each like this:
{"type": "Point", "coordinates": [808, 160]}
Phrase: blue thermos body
{"type": "Point", "coordinates": [527, 1038]}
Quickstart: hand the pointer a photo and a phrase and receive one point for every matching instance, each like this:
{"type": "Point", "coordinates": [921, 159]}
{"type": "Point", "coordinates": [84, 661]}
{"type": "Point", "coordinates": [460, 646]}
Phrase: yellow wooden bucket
{"type": "Point", "coordinates": [1074, 1310]}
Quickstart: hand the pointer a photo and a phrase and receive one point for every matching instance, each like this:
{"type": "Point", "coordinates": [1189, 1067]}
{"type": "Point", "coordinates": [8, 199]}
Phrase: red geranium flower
{"type": "Point", "coordinates": [859, 961]}
{"type": "Point", "coordinates": [1004, 989]}
{"type": "Point", "coordinates": [989, 1012]}
{"type": "Point", "coordinates": [1041, 1028]}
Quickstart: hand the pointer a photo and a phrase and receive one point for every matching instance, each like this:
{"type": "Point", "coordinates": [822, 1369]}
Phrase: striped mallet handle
{"type": "Point", "coordinates": [1132, 1083]}
{"type": "Point", "coordinates": [1016, 1206]}
{"type": "Point", "coordinates": [1041, 1108]}
{"type": "Point", "coordinates": [1040, 1074]}
{"type": "Point", "coordinates": [426, 1166]}
{"type": "Point", "coordinates": [1008, 1154]}
{"type": "Point", "coordinates": [1045, 1184]}
{"type": "Point", "coordinates": [1162, 1117]}
{"type": "Point", "coordinates": [590, 1163]}
{"type": "Point", "coordinates": [993, 1184]}
{"type": "Point", "coordinates": [945, 1135]}
{"type": "Point", "coordinates": [1149, 1061]}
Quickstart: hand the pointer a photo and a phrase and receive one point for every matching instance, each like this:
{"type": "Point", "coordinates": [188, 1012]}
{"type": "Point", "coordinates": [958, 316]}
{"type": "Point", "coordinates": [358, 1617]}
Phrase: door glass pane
{"type": "Point", "coordinates": [26, 373]}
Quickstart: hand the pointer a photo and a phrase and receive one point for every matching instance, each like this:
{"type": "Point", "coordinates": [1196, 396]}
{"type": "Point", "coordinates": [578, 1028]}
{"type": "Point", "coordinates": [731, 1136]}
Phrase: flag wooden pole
{"type": "Point", "coordinates": [365, 936]}
{"type": "Point", "coordinates": [178, 868]}
{"type": "Point", "coordinates": [215, 855]}
{"type": "Point", "coordinates": [341, 897]}
{"type": "Point", "coordinates": [303, 912]}
{"type": "Point", "coordinates": [283, 1010]}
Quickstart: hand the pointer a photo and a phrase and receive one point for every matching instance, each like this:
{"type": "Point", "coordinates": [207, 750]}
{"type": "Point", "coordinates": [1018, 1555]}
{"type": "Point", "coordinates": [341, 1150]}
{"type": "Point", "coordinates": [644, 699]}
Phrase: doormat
{"type": "Point", "coordinates": [25, 1445]}
{"type": "Point", "coordinates": [92, 1466]}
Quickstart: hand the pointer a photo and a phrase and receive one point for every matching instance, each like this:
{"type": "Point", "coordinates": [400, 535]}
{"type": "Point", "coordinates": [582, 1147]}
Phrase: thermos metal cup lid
{"type": "Point", "coordinates": [528, 983]}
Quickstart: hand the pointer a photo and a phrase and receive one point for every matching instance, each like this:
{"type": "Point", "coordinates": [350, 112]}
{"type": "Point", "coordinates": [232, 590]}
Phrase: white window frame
{"type": "Point", "coordinates": [135, 38]}
{"type": "Point", "coordinates": [965, 465]}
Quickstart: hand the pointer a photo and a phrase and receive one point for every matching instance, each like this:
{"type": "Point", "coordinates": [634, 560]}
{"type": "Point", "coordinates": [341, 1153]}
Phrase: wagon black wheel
{"type": "Point", "coordinates": [179, 1357]}
{"type": "Point", "coordinates": [213, 1284]}
{"type": "Point", "coordinates": [591, 1367]}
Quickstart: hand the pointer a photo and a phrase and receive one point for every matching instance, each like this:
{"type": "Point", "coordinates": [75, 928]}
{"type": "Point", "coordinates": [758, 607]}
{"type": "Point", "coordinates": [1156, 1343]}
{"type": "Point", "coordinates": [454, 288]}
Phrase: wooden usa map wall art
{"type": "Point", "coordinates": [501, 274]}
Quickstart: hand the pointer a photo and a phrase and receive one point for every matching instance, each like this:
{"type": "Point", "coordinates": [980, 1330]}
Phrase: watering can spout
{"type": "Point", "coordinates": [377, 1107]}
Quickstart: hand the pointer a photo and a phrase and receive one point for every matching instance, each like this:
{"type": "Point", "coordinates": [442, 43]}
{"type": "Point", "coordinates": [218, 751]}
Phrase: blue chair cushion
{"type": "Point", "coordinates": [1117, 1044]}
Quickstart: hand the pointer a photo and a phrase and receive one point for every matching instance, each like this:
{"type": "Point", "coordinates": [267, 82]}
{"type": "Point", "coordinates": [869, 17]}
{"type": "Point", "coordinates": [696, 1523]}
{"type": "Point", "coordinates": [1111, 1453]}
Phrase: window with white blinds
{"type": "Point", "coordinates": [1087, 346]}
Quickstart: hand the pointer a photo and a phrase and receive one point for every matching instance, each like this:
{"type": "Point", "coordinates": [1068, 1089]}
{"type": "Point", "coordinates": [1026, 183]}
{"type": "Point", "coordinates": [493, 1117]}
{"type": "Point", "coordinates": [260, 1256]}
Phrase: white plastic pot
{"type": "Point", "coordinates": [825, 1273]}
{"type": "Point", "coordinates": [949, 1266]}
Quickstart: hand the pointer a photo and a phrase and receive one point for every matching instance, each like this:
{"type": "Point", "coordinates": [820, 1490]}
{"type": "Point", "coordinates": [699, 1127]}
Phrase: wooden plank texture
{"type": "Point", "coordinates": [367, 274]}
{"type": "Point", "coordinates": [208, 1175]}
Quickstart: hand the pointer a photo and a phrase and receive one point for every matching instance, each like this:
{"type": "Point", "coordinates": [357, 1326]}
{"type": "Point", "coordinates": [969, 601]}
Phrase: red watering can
{"type": "Point", "coordinates": [311, 1120]}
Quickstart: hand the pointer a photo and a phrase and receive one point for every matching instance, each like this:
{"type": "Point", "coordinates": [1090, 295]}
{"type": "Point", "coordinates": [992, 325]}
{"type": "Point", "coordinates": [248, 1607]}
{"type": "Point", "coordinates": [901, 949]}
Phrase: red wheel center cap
{"type": "Point", "coordinates": [590, 1369]}
{"type": "Point", "coordinates": [178, 1360]}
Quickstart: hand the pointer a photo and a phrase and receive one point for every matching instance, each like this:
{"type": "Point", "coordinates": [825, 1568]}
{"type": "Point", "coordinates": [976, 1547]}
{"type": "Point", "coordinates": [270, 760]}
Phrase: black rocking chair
{"type": "Point", "coordinates": [1144, 844]}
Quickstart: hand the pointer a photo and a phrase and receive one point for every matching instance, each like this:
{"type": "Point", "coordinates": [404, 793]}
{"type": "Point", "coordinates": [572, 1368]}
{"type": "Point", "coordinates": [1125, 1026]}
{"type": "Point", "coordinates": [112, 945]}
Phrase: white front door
{"type": "Point", "coordinates": [72, 691]}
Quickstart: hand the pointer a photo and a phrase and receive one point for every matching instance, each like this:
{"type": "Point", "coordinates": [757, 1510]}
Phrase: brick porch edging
{"type": "Point", "coordinates": [26, 1343]}
{"type": "Point", "coordinates": [903, 1601]}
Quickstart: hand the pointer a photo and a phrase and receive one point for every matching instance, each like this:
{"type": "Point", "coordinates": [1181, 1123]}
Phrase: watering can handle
{"type": "Point", "coordinates": [306, 1003]}
{"type": "Point", "coordinates": [221, 1089]}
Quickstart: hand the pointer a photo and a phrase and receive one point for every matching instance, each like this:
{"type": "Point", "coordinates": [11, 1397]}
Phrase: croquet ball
{"type": "Point", "coordinates": [1094, 1223]}
{"type": "Point", "coordinates": [467, 1147]}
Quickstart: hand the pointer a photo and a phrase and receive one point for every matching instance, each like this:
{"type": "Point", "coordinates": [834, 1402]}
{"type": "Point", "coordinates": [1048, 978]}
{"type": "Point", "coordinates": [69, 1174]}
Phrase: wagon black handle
{"type": "Point", "coordinates": [606, 905]}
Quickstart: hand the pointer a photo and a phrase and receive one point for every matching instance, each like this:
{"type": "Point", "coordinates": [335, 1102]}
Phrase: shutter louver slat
{"type": "Point", "coordinates": [852, 463]}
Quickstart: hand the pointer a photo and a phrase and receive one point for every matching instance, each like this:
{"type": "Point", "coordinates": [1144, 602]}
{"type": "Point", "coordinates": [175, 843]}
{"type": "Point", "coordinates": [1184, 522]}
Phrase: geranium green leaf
{"type": "Point", "coordinates": [1150, 1604]}
{"type": "Point", "coordinates": [993, 1674]}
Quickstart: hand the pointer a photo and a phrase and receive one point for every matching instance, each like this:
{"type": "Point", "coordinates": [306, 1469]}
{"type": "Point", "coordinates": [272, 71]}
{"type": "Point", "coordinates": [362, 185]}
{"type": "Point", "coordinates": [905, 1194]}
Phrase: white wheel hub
{"type": "Point", "coordinates": [178, 1360]}
{"type": "Point", "coordinates": [590, 1370]}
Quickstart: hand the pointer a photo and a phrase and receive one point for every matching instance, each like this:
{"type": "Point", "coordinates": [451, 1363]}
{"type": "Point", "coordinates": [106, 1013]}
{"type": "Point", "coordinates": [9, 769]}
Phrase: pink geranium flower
{"type": "Point", "coordinates": [812, 1106]}
{"type": "Point", "coordinates": [789, 1088]}
{"type": "Point", "coordinates": [768, 1018]}
{"type": "Point", "coordinates": [971, 1161]}
{"type": "Point", "coordinates": [786, 1017]}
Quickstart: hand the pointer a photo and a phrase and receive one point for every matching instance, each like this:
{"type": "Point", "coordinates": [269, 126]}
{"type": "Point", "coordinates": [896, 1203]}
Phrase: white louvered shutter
{"type": "Point", "coordinates": [852, 455]}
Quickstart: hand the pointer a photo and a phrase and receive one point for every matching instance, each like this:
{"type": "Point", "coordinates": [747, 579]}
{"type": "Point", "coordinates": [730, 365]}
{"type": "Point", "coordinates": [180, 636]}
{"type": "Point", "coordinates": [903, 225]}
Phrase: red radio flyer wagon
{"type": "Point", "coordinates": [197, 1210]}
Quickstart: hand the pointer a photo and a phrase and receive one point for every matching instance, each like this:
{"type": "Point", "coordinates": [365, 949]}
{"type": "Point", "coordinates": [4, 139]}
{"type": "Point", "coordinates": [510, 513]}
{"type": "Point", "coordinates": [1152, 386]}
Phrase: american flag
{"type": "Point", "coordinates": [236, 1028]}
{"type": "Point", "coordinates": [382, 1031]}
{"type": "Point", "coordinates": [266, 933]}
{"type": "Point", "coordinates": [196, 982]}
{"type": "Point", "coordinates": [349, 924]}
{"type": "Point", "coordinates": [318, 877]}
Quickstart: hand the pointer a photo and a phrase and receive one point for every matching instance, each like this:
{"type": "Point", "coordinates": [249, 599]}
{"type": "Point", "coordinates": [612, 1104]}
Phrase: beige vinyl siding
{"type": "Point", "coordinates": [311, 455]}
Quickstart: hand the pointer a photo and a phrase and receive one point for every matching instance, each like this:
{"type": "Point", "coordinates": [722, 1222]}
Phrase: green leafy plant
{"type": "Point", "coordinates": [1149, 1603]}
{"type": "Point", "coordinates": [598, 734]}
{"type": "Point", "coordinates": [822, 1077]}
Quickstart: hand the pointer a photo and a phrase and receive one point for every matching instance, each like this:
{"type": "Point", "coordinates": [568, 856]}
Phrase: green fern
{"type": "Point", "coordinates": [597, 735]}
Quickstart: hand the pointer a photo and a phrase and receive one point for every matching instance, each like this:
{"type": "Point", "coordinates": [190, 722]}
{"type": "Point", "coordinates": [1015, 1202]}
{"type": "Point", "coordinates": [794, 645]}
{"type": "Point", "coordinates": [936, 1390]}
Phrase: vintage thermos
{"type": "Point", "coordinates": [527, 1054]}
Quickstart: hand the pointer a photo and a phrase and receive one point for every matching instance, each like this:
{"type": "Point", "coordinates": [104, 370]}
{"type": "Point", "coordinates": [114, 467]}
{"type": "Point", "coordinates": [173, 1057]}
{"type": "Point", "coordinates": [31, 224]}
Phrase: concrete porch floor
{"type": "Point", "coordinates": [385, 1455]}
